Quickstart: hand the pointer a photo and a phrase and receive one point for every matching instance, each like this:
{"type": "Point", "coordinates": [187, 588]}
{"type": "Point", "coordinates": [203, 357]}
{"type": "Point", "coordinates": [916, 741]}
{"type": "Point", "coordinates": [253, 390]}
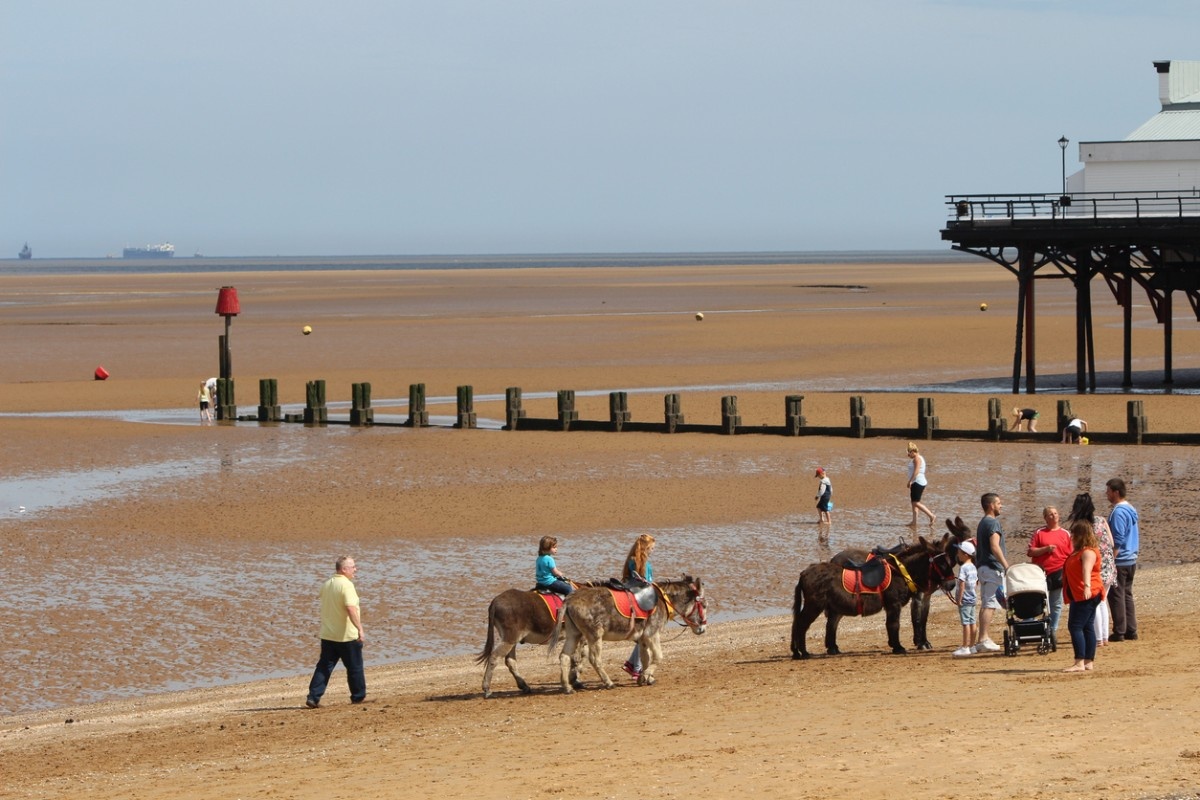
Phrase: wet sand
{"type": "Point", "coordinates": [203, 546]}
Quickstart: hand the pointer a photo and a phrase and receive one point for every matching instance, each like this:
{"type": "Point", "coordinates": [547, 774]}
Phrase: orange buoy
{"type": "Point", "coordinates": [101, 374]}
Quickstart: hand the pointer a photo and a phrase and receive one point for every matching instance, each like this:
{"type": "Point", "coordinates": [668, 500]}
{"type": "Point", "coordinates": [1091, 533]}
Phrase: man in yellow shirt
{"type": "Point", "coordinates": [341, 635]}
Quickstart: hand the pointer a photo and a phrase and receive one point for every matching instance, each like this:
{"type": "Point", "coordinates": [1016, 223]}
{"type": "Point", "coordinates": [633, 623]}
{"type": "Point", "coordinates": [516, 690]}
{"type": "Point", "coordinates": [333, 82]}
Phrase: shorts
{"type": "Point", "coordinates": [915, 491]}
{"type": "Point", "coordinates": [967, 614]}
{"type": "Point", "coordinates": [989, 581]}
{"type": "Point", "coordinates": [1073, 432]}
{"type": "Point", "coordinates": [203, 405]}
{"type": "Point", "coordinates": [824, 505]}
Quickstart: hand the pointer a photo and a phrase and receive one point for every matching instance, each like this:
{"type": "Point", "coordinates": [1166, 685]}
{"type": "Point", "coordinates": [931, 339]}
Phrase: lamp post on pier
{"type": "Point", "coordinates": [1062, 145]}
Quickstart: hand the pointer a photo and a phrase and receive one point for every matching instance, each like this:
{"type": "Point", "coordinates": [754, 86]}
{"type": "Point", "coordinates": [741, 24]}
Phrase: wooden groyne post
{"type": "Point", "coordinates": [269, 409]}
{"type": "Point", "coordinates": [418, 417]}
{"type": "Point", "coordinates": [618, 409]}
{"type": "Point", "coordinates": [566, 408]}
{"type": "Point", "coordinates": [859, 421]}
{"type": "Point", "coordinates": [226, 405]}
{"type": "Point", "coordinates": [315, 412]}
{"type": "Point", "coordinates": [730, 418]}
{"type": "Point", "coordinates": [466, 407]}
{"type": "Point", "coordinates": [361, 413]}
{"type": "Point", "coordinates": [672, 412]}
{"type": "Point", "coordinates": [927, 421]}
{"type": "Point", "coordinates": [513, 412]}
{"type": "Point", "coordinates": [1135, 421]}
{"type": "Point", "coordinates": [792, 414]}
{"type": "Point", "coordinates": [997, 423]}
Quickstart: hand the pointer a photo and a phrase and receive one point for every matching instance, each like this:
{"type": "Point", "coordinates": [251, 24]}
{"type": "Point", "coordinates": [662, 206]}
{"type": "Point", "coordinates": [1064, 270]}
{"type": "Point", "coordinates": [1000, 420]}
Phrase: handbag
{"type": "Point", "coordinates": [1054, 580]}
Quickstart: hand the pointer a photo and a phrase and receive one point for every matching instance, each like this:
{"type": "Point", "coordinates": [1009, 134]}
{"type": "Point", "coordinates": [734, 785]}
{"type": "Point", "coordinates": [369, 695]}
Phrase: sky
{"type": "Point", "coordinates": [388, 127]}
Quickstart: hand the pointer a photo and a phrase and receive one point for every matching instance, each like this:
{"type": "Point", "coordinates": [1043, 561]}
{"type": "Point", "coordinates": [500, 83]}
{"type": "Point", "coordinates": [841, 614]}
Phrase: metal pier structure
{"type": "Point", "coordinates": [1147, 239]}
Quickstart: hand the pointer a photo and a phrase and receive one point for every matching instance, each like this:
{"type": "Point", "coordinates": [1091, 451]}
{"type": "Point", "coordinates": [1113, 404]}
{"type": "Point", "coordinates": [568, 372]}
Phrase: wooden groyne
{"type": "Point", "coordinates": [926, 427]}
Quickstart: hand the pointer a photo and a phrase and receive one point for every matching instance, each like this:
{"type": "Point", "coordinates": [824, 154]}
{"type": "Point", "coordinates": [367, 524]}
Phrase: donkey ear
{"type": "Point", "coordinates": [924, 543]}
{"type": "Point", "coordinates": [945, 540]}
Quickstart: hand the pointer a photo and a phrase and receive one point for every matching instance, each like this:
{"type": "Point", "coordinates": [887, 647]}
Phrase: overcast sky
{"type": "Point", "coordinates": [244, 127]}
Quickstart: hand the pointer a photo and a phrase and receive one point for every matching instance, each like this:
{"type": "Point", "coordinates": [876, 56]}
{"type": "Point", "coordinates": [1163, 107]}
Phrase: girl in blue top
{"type": "Point", "coordinates": [547, 576]}
{"type": "Point", "coordinates": [637, 570]}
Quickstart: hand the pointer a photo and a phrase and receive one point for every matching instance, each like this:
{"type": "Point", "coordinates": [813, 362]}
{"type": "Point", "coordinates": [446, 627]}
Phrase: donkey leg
{"type": "Point", "coordinates": [499, 652]}
{"type": "Point", "coordinates": [510, 661]}
{"type": "Point", "coordinates": [801, 622]}
{"type": "Point", "coordinates": [595, 652]}
{"type": "Point", "coordinates": [920, 621]}
{"type": "Point", "coordinates": [566, 659]}
{"type": "Point", "coordinates": [893, 630]}
{"type": "Point", "coordinates": [832, 618]}
{"type": "Point", "coordinates": [651, 654]}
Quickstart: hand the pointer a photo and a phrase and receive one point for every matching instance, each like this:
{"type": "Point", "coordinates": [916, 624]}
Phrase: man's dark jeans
{"type": "Point", "coordinates": [350, 654]}
{"type": "Point", "coordinates": [1120, 603]}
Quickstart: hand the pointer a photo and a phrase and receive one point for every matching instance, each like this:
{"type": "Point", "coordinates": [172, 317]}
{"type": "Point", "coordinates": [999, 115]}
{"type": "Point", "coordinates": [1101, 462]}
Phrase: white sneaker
{"type": "Point", "coordinates": [964, 651]}
{"type": "Point", "coordinates": [989, 646]}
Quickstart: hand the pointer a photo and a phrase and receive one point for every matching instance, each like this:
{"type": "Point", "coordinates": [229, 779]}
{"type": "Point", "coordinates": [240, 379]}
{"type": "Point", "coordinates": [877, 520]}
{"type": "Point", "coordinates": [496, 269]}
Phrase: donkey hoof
{"type": "Point", "coordinates": [486, 695]}
{"type": "Point", "coordinates": [833, 651]}
{"type": "Point", "coordinates": [609, 684]}
{"type": "Point", "coordinates": [578, 684]}
{"type": "Point", "coordinates": [924, 646]}
{"type": "Point", "coordinates": [899, 651]}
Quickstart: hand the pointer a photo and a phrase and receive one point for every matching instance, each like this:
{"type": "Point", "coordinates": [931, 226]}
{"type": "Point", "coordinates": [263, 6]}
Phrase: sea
{"type": "Point", "coordinates": [124, 266]}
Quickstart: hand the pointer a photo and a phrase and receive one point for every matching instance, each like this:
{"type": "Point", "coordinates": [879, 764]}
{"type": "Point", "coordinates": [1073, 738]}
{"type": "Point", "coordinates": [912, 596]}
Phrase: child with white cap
{"type": "Point", "coordinates": [964, 596]}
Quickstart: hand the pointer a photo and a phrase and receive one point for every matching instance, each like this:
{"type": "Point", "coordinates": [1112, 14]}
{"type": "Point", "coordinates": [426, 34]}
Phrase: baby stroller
{"type": "Point", "coordinates": [1028, 609]}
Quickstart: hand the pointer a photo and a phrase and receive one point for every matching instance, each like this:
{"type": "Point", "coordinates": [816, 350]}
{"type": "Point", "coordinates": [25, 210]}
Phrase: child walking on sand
{"type": "Point", "coordinates": [824, 496]}
{"type": "Point", "coordinates": [964, 596]}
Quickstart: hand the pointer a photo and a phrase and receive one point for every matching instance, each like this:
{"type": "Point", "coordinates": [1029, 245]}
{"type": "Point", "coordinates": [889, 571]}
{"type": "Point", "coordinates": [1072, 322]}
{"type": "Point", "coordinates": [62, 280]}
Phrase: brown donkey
{"type": "Point", "coordinates": [591, 618]}
{"type": "Point", "coordinates": [941, 576]}
{"type": "Point", "coordinates": [820, 589]}
{"type": "Point", "coordinates": [514, 617]}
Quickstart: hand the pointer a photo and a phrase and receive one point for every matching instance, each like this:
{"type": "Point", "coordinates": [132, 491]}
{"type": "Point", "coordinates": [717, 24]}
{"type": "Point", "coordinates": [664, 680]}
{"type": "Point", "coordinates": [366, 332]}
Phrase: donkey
{"type": "Point", "coordinates": [591, 616]}
{"type": "Point", "coordinates": [941, 576]}
{"type": "Point", "coordinates": [821, 588]}
{"type": "Point", "coordinates": [515, 617]}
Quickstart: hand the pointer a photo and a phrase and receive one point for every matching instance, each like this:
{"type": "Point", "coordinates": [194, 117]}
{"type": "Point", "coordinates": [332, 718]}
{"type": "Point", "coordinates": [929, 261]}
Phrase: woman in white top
{"type": "Point", "coordinates": [916, 484]}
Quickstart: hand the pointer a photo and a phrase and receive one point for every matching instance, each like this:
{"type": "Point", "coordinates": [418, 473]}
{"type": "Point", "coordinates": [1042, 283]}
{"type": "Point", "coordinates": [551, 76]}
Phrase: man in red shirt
{"type": "Point", "coordinates": [1049, 549]}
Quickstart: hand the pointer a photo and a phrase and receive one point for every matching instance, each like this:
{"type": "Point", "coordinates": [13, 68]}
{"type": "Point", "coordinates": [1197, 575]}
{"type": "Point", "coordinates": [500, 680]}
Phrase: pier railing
{"type": "Point", "coordinates": [1143, 205]}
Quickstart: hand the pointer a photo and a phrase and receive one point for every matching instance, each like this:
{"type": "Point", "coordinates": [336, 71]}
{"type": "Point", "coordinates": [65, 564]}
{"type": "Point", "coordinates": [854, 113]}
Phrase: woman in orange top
{"type": "Point", "coordinates": [1083, 589]}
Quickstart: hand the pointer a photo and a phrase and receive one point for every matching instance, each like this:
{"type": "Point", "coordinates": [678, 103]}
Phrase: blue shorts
{"type": "Point", "coordinates": [967, 614]}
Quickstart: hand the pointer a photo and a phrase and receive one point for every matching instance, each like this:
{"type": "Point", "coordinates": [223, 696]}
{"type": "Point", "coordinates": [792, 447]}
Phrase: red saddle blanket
{"type": "Point", "coordinates": [553, 602]}
{"type": "Point", "coordinates": [626, 605]}
{"type": "Point", "coordinates": [852, 581]}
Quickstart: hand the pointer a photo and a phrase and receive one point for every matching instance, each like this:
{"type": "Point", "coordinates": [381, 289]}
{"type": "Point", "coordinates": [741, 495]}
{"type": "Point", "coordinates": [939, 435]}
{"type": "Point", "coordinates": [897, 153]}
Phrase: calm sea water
{"type": "Point", "coordinates": [83, 266]}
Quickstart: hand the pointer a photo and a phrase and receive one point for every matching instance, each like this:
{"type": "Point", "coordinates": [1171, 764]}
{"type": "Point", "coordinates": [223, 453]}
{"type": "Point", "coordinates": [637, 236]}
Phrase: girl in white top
{"type": "Point", "coordinates": [916, 485]}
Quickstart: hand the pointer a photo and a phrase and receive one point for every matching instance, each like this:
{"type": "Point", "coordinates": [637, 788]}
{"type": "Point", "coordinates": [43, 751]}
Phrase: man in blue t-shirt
{"type": "Point", "coordinates": [992, 564]}
{"type": "Point", "coordinates": [1123, 522]}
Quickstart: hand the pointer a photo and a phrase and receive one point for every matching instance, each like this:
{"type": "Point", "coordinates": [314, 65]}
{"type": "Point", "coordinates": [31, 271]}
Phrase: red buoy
{"type": "Point", "coordinates": [101, 374]}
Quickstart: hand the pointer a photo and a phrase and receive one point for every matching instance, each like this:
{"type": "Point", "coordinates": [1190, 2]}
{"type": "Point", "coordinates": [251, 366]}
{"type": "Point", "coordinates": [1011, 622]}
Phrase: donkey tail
{"type": "Point", "coordinates": [490, 644]}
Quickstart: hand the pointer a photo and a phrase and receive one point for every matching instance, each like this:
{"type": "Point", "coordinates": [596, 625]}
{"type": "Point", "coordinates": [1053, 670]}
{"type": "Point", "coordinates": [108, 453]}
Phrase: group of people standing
{"type": "Point", "coordinates": [1090, 565]}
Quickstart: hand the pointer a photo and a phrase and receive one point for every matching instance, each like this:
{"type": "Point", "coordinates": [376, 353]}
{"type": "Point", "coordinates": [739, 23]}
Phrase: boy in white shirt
{"type": "Point", "coordinates": [964, 596]}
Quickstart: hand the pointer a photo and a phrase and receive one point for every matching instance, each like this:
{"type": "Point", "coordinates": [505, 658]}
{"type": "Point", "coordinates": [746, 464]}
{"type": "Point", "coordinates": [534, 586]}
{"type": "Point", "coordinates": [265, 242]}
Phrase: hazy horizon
{"type": "Point", "coordinates": [543, 127]}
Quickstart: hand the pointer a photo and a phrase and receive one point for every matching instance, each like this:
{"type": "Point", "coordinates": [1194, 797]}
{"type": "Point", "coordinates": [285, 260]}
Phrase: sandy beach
{"type": "Point", "coordinates": [165, 628]}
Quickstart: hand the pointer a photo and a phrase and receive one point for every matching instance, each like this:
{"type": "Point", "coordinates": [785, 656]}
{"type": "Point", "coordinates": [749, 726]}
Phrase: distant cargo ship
{"type": "Point", "coordinates": [25, 253]}
{"type": "Point", "coordinates": [151, 251]}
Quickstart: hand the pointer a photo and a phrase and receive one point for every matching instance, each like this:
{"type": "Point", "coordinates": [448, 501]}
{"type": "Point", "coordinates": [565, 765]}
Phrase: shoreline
{"type": "Point", "coordinates": [428, 731]}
